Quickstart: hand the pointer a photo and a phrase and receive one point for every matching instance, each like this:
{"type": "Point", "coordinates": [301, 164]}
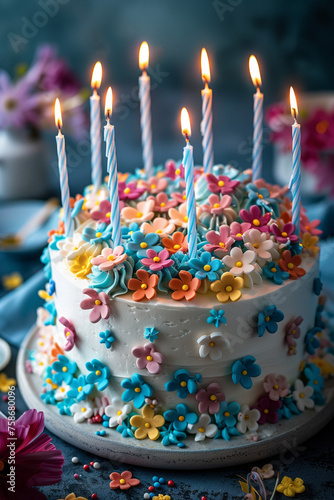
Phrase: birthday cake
{"type": "Point", "coordinates": [153, 344]}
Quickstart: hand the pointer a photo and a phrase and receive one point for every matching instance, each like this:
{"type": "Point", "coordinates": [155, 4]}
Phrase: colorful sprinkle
{"type": "Point", "coordinates": [75, 460]}
{"type": "Point", "coordinates": [86, 467]}
{"type": "Point", "coordinates": [76, 476]}
{"type": "Point", "coordinates": [94, 496]}
{"type": "Point", "coordinates": [170, 482]}
{"type": "Point", "coordinates": [96, 465]}
{"type": "Point", "coordinates": [151, 488]}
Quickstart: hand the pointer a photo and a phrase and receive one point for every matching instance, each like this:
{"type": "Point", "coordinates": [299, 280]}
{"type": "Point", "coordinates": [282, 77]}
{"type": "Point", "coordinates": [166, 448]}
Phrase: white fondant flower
{"type": "Point", "coordinates": [93, 200]}
{"type": "Point", "coordinates": [69, 245]}
{"type": "Point", "coordinates": [253, 278]}
{"type": "Point", "coordinates": [247, 419]}
{"type": "Point", "coordinates": [61, 392]}
{"type": "Point", "coordinates": [213, 345]}
{"type": "Point", "coordinates": [40, 363]}
{"type": "Point", "coordinates": [100, 404]}
{"type": "Point", "coordinates": [203, 428]}
{"type": "Point", "coordinates": [302, 395]}
{"type": "Point", "coordinates": [82, 411]}
{"type": "Point", "coordinates": [259, 243]}
{"type": "Point", "coordinates": [42, 315]}
{"type": "Point", "coordinates": [239, 262]}
{"type": "Point", "coordinates": [117, 411]}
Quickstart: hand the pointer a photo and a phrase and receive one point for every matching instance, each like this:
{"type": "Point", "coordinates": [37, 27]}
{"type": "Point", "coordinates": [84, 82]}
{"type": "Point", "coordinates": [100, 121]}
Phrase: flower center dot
{"type": "Point", "coordinates": [139, 214]}
{"type": "Point", "coordinates": [137, 389]}
{"type": "Point", "coordinates": [64, 369]}
{"type": "Point", "coordinates": [148, 425]}
{"type": "Point", "coordinates": [244, 372]}
{"type": "Point", "coordinates": [122, 481]}
{"type": "Point", "coordinates": [211, 344]}
{"type": "Point", "coordinates": [10, 104]}
{"type": "Point", "coordinates": [207, 267]}
{"type": "Point", "coordinates": [213, 397]}
{"type": "Point", "coordinates": [181, 418]}
{"type": "Point", "coordinates": [221, 183]}
{"type": "Point", "coordinates": [98, 373]}
{"type": "Point", "coordinates": [176, 247]}
{"type": "Point", "coordinates": [239, 263]}
{"type": "Point", "coordinates": [201, 429]}
{"type": "Point", "coordinates": [256, 222]}
{"type": "Point", "coordinates": [266, 411]}
{"type": "Point", "coordinates": [68, 334]}
{"type": "Point", "coordinates": [97, 302]}
{"type": "Point", "coordinates": [177, 171]}
{"type": "Point", "coordinates": [185, 288]}
{"type": "Point", "coordinates": [227, 414]}
{"type": "Point", "coordinates": [143, 286]}
{"type": "Point", "coordinates": [260, 196]}
{"type": "Point", "coordinates": [239, 235]}
{"type": "Point", "coordinates": [62, 389]}
{"type": "Point", "coordinates": [185, 219]}
{"type": "Point", "coordinates": [83, 409]}
{"type": "Point", "coordinates": [158, 231]}
{"type": "Point", "coordinates": [79, 389]}
{"type": "Point", "coordinates": [149, 358]}
{"type": "Point", "coordinates": [301, 395]}
{"type": "Point", "coordinates": [183, 383]}
{"type": "Point", "coordinates": [216, 205]}
{"type": "Point", "coordinates": [221, 244]}
{"type": "Point", "coordinates": [127, 190]}
{"type": "Point", "coordinates": [119, 412]}
{"type": "Point", "coordinates": [162, 205]}
{"type": "Point", "coordinates": [228, 289]}
{"type": "Point", "coordinates": [153, 186]}
{"type": "Point", "coordinates": [111, 257]}
{"type": "Point", "coordinates": [293, 331]}
{"type": "Point", "coordinates": [256, 245]}
{"type": "Point", "coordinates": [246, 417]}
{"type": "Point", "coordinates": [290, 265]}
{"type": "Point", "coordinates": [98, 234]}
{"type": "Point", "coordinates": [275, 387]}
{"type": "Point", "coordinates": [267, 318]}
{"type": "Point", "coordinates": [284, 234]}
{"type": "Point", "coordinates": [108, 215]}
{"type": "Point", "coordinates": [156, 259]}
{"type": "Point", "coordinates": [184, 197]}
{"type": "Point", "coordinates": [273, 270]}
{"type": "Point", "coordinates": [143, 245]}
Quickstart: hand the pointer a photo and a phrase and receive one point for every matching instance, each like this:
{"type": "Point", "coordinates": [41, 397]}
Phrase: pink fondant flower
{"type": "Point", "coordinates": [109, 258]}
{"type": "Point", "coordinates": [292, 331]}
{"type": "Point", "coordinates": [144, 286]}
{"type": "Point", "coordinates": [160, 225]}
{"type": "Point", "coordinates": [307, 226]}
{"type": "Point", "coordinates": [210, 398]}
{"type": "Point", "coordinates": [174, 172]}
{"type": "Point", "coordinates": [286, 234]}
{"type": "Point", "coordinates": [143, 212]}
{"type": "Point", "coordinates": [255, 218]}
{"type": "Point", "coordinates": [157, 261]}
{"type": "Point", "coordinates": [69, 332]}
{"type": "Point", "coordinates": [122, 481]}
{"type": "Point", "coordinates": [179, 217]}
{"type": "Point", "coordinates": [129, 191]}
{"type": "Point", "coordinates": [102, 214]}
{"type": "Point", "coordinates": [276, 387]}
{"type": "Point", "coordinates": [238, 230]}
{"type": "Point", "coordinates": [179, 197]}
{"type": "Point", "coordinates": [221, 184]}
{"type": "Point", "coordinates": [148, 357]}
{"type": "Point", "coordinates": [217, 205]}
{"type": "Point", "coordinates": [162, 203]}
{"type": "Point", "coordinates": [154, 185]}
{"type": "Point", "coordinates": [219, 243]}
{"type": "Point", "coordinates": [98, 302]}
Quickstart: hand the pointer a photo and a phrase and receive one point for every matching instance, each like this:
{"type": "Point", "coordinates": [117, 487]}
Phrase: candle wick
{"type": "Point", "coordinates": [95, 89]}
{"type": "Point", "coordinates": [294, 112]}
{"type": "Point", "coordinates": [59, 128]}
{"type": "Point", "coordinates": [258, 87]}
{"type": "Point", "coordinates": [186, 137]}
{"type": "Point", "coordinates": [108, 116]}
{"type": "Point", "coordinates": [206, 83]}
{"type": "Point", "coordinates": [144, 72]}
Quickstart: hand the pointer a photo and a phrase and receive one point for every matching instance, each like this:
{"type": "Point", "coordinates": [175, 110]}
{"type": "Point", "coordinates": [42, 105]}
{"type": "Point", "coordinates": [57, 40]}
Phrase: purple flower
{"type": "Point", "coordinates": [286, 234]}
{"type": "Point", "coordinates": [18, 107]}
{"type": "Point", "coordinates": [210, 398]}
{"type": "Point", "coordinates": [292, 330]}
{"type": "Point", "coordinates": [221, 184]}
{"type": "Point", "coordinates": [129, 191]}
{"type": "Point", "coordinates": [268, 409]}
{"type": "Point", "coordinates": [255, 218]}
{"type": "Point", "coordinates": [148, 357]}
{"type": "Point", "coordinates": [157, 261]}
{"type": "Point", "coordinates": [69, 332]}
{"type": "Point", "coordinates": [98, 302]}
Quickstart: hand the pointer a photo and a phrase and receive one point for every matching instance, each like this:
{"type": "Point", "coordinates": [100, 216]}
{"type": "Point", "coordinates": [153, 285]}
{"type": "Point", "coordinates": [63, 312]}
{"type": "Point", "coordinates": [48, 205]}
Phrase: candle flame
{"type": "Point", "coordinates": [58, 119]}
{"type": "Point", "coordinates": [97, 76]}
{"type": "Point", "coordinates": [206, 75]}
{"type": "Point", "coordinates": [185, 123]}
{"type": "Point", "coordinates": [255, 71]}
{"type": "Point", "coordinates": [293, 103]}
{"type": "Point", "coordinates": [144, 56]}
{"type": "Point", "coordinates": [108, 104]}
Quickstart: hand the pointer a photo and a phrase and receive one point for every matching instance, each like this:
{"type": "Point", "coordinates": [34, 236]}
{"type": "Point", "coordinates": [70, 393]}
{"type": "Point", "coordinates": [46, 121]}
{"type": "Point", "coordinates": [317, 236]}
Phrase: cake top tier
{"type": "Point", "coordinates": [244, 236]}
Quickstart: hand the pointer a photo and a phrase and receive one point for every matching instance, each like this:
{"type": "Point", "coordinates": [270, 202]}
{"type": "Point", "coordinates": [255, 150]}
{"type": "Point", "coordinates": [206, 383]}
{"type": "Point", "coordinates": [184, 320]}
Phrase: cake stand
{"type": "Point", "coordinates": [280, 439]}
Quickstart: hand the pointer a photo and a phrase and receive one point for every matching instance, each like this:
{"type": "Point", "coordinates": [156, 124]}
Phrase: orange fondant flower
{"type": "Point", "coordinates": [123, 481]}
{"type": "Point", "coordinates": [144, 286]}
{"type": "Point", "coordinates": [148, 424]}
{"type": "Point", "coordinates": [185, 287]}
{"type": "Point", "coordinates": [178, 243]}
{"type": "Point", "coordinates": [310, 243]}
{"type": "Point", "coordinates": [60, 230]}
{"type": "Point", "coordinates": [291, 265]}
{"type": "Point", "coordinates": [56, 349]}
{"type": "Point", "coordinates": [228, 287]}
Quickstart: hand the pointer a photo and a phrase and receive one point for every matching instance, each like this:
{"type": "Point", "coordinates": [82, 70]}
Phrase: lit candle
{"type": "Point", "coordinates": [296, 171]}
{"type": "Point", "coordinates": [257, 119]}
{"type": "Point", "coordinates": [145, 110]}
{"type": "Point", "coordinates": [95, 128]}
{"type": "Point", "coordinates": [188, 164]}
{"type": "Point", "coordinates": [109, 137]}
{"type": "Point", "coordinates": [206, 125]}
{"type": "Point", "coordinates": [64, 188]}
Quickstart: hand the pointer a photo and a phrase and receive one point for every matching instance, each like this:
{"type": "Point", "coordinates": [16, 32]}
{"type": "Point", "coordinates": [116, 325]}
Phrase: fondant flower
{"type": "Point", "coordinates": [217, 205]}
{"type": "Point", "coordinates": [178, 243]}
{"type": "Point", "coordinates": [61, 391]}
{"type": "Point", "coordinates": [259, 243]}
{"type": "Point", "coordinates": [311, 341]}
{"type": "Point", "coordinates": [173, 171]}
{"type": "Point", "coordinates": [6, 382]}
{"type": "Point", "coordinates": [117, 411]}
{"type": "Point", "coordinates": [185, 287]}
{"type": "Point", "coordinates": [183, 383]}
{"type": "Point", "coordinates": [82, 411]}
{"type": "Point", "coordinates": [179, 197]}
{"type": "Point", "coordinates": [98, 302]}
{"type": "Point", "coordinates": [123, 481]}
{"type": "Point", "coordinates": [243, 370]}
{"type": "Point", "coordinates": [239, 262]}
{"type": "Point", "coordinates": [307, 226]}
{"type": "Point", "coordinates": [143, 212]}
{"type": "Point", "coordinates": [268, 319]}
{"type": "Point", "coordinates": [268, 409]}
{"type": "Point", "coordinates": [310, 243]}
{"type": "Point", "coordinates": [144, 286]}
{"type": "Point", "coordinates": [154, 184]}
{"type": "Point", "coordinates": [151, 334]}
{"type": "Point", "coordinates": [127, 232]}
{"type": "Point", "coordinates": [302, 395]}
{"type": "Point", "coordinates": [220, 243]}
{"type": "Point", "coordinates": [72, 496]}
{"type": "Point", "coordinates": [289, 487]}
{"type": "Point", "coordinates": [205, 267]}
{"type": "Point", "coordinates": [314, 377]}
{"type": "Point", "coordinates": [227, 288]}
{"type": "Point", "coordinates": [216, 317]}
{"type": "Point", "coordinates": [101, 234]}
{"type": "Point", "coordinates": [109, 258]}
{"type": "Point", "coordinates": [69, 332]}
{"type": "Point", "coordinates": [266, 472]}
{"type": "Point", "coordinates": [203, 428]}
{"type": "Point", "coordinates": [286, 234]}
{"type": "Point", "coordinates": [64, 368]}
{"type": "Point", "coordinates": [255, 218]}
{"type": "Point", "coordinates": [136, 390]}
{"type": "Point", "coordinates": [227, 414]}
{"type": "Point", "coordinates": [276, 387]}
{"type": "Point", "coordinates": [148, 357]}
{"type": "Point", "coordinates": [291, 264]}
{"type": "Point", "coordinates": [248, 419]}
{"type": "Point", "coordinates": [221, 184]}
{"type": "Point", "coordinates": [292, 330]}
{"type": "Point", "coordinates": [129, 191]}
{"type": "Point", "coordinates": [160, 226]}
{"type": "Point", "coordinates": [157, 261]}
{"type": "Point", "coordinates": [106, 338]}
{"type": "Point", "coordinates": [180, 417]}
{"type": "Point", "coordinates": [102, 214]}
{"type": "Point", "coordinates": [140, 243]}
{"type": "Point", "coordinates": [99, 373]}
{"type": "Point", "coordinates": [147, 425]}
{"type": "Point", "coordinates": [273, 272]}
{"type": "Point", "coordinates": [209, 399]}
{"type": "Point", "coordinates": [179, 217]}
{"type": "Point", "coordinates": [81, 265]}
{"type": "Point", "coordinates": [162, 203]}
{"type": "Point", "coordinates": [79, 388]}
{"type": "Point", "coordinates": [238, 230]}
{"type": "Point", "coordinates": [317, 286]}
{"type": "Point", "coordinates": [213, 345]}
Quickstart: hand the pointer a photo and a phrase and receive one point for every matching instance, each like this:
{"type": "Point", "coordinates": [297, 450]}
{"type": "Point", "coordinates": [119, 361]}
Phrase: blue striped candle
{"type": "Point", "coordinates": [295, 180]}
{"type": "Point", "coordinates": [145, 111]}
{"type": "Point", "coordinates": [95, 129]}
{"type": "Point", "coordinates": [109, 138]}
{"type": "Point", "coordinates": [206, 124]}
{"type": "Point", "coordinates": [257, 120]}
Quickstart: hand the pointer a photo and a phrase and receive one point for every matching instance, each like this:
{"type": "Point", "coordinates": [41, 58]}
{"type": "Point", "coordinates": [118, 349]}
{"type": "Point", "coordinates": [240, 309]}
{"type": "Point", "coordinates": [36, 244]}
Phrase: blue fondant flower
{"type": "Point", "coordinates": [319, 322]}
{"type": "Point", "coordinates": [288, 408]}
{"type": "Point", "coordinates": [127, 231]}
{"type": "Point", "coordinates": [313, 374]}
{"type": "Point", "coordinates": [77, 207]}
{"type": "Point", "coordinates": [227, 414]}
{"type": "Point", "coordinates": [49, 397]}
{"type": "Point", "coordinates": [140, 243]}
{"type": "Point", "coordinates": [64, 368]}
{"type": "Point", "coordinates": [311, 341]}
{"type": "Point", "coordinates": [317, 286]}
{"type": "Point", "coordinates": [50, 287]}
{"type": "Point", "coordinates": [273, 272]}
{"type": "Point", "coordinates": [46, 260]}
{"type": "Point", "coordinates": [136, 390]}
{"type": "Point", "coordinates": [64, 406]}
{"type": "Point", "coordinates": [268, 319]}
{"type": "Point", "coordinates": [216, 317]}
{"type": "Point", "coordinates": [151, 334]}
{"type": "Point", "coordinates": [99, 373]}
{"type": "Point", "coordinates": [183, 383]}
{"type": "Point", "coordinates": [172, 436]}
{"type": "Point", "coordinates": [106, 338]}
{"type": "Point", "coordinates": [51, 308]}
{"type": "Point", "coordinates": [205, 267]}
{"type": "Point", "coordinates": [243, 370]}
{"type": "Point", "coordinates": [125, 427]}
{"type": "Point", "coordinates": [227, 432]}
{"type": "Point", "coordinates": [79, 388]}
{"type": "Point", "coordinates": [99, 235]}
{"type": "Point", "coordinates": [260, 197]}
{"type": "Point", "coordinates": [55, 240]}
{"type": "Point", "coordinates": [181, 417]}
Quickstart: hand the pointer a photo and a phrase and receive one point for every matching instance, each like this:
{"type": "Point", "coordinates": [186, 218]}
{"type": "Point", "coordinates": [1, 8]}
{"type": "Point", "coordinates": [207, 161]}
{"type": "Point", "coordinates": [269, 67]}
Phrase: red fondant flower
{"type": "Point", "coordinates": [178, 243]}
{"type": "Point", "coordinates": [144, 286]}
{"type": "Point", "coordinates": [291, 265]}
{"type": "Point", "coordinates": [186, 287]}
{"type": "Point", "coordinates": [123, 481]}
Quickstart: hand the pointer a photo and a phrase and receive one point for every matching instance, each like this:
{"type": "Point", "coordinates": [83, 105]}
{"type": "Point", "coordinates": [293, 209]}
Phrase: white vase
{"type": "Point", "coordinates": [24, 171]}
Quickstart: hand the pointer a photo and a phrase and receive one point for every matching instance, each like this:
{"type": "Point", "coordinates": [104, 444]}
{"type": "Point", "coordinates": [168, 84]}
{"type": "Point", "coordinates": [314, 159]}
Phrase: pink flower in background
{"type": "Point", "coordinates": [217, 205]}
{"type": "Point", "coordinates": [148, 357]}
{"type": "Point", "coordinates": [219, 243]}
{"type": "Point", "coordinates": [276, 387]}
{"type": "Point", "coordinates": [98, 302]}
{"type": "Point", "coordinates": [238, 230]}
{"type": "Point", "coordinates": [154, 185]}
{"type": "Point", "coordinates": [255, 218]}
{"type": "Point", "coordinates": [287, 233]}
{"type": "Point", "coordinates": [109, 258]}
{"type": "Point", "coordinates": [102, 214]}
{"type": "Point", "coordinates": [157, 261]}
{"type": "Point", "coordinates": [307, 226]}
{"type": "Point", "coordinates": [69, 332]}
{"type": "Point", "coordinates": [210, 398]}
{"type": "Point", "coordinates": [174, 172]}
{"type": "Point", "coordinates": [160, 226]}
{"type": "Point", "coordinates": [18, 107]}
{"type": "Point", "coordinates": [179, 197]}
{"type": "Point", "coordinates": [162, 203]}
{"type": "Point", "coordinates": [221, 184]}
{"type": "Point", "coordinates": [129, 191]}
{"type": "Point", "coordinates": [37, 461]}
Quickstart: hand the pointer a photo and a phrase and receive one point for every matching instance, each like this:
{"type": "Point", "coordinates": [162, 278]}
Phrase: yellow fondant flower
{"type": "Point", "coordinates": [161, 497]}
{"type": "Point", "coordinates": [6, 383]}
{"type": "Point", "coordinates": [81, 266]}
{"type": "Point", "coordinates": [228, 287]}
{"type": "Point", "coordinates": [147, 425]}
{"type": "Point", "coordinates": [72, 496]}
{"type": "Point", "coordinates": [309, 243]}
{"type": "Point", "coordinates": [290, 487]}
{"type": "Point", "coordinates": [326, 368]}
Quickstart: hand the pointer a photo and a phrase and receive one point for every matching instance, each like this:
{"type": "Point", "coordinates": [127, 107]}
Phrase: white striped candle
{"type": "Point", "coordinates": [145, 111]}
{"type": "Point", "coordinates": [109, 137]}
{"type": "Point", "coordinates": [95, 128]}
{"type": "Point", "coordinates": [206, 124]}
{"type": "Point", "coordinates": [295, 180]}
{"type": "Point", "coordinates": [257, 120]}
{"type": "Point", "coordinates": [188, 164]}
